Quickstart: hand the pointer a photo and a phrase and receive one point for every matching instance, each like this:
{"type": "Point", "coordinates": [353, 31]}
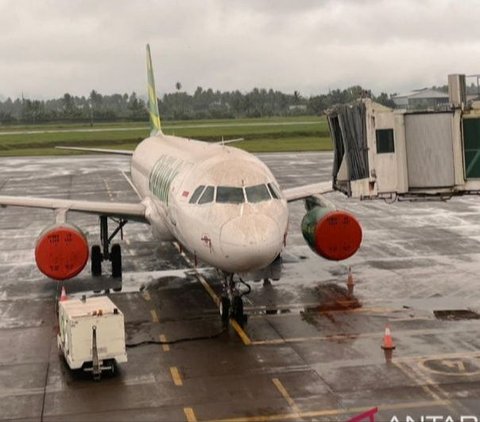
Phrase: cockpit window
{"type": "Point", "coordinates": [230, 195]}
{"type": "Point", "coordinates": [257, 193]}
{"type": "Point", "coordinates": [207, 196]}
{"type": "Point", "coordinates": [196, 194]}
{"type": "Point", "coordinates": [273, 190]}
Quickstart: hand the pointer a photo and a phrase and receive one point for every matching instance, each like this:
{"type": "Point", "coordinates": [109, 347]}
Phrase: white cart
{"type": "Point", "coordinates": [91, 334]}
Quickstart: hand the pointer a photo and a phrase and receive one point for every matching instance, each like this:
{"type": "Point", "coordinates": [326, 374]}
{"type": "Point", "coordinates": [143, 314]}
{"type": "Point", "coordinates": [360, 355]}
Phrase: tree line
{"type": "Point", "coordinates": [179, 105]}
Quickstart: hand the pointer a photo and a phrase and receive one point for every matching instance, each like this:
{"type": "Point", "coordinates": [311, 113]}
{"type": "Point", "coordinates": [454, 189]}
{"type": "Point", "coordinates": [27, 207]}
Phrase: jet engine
{"type": "Point", "coordinates": [61, 251]}
{"type": "Point", "coordinates": [333, 234]}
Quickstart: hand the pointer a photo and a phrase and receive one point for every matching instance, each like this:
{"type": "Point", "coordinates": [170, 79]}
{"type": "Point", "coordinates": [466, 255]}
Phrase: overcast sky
{"type": "Point", "coordinates": [50, 47]}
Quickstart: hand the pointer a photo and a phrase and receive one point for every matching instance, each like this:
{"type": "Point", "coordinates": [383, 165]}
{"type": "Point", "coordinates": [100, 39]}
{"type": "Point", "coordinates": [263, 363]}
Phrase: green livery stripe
{"type": "Point", "coordinates": [155, 126]}
{"type": "Point", "coordinates": [162, 175]}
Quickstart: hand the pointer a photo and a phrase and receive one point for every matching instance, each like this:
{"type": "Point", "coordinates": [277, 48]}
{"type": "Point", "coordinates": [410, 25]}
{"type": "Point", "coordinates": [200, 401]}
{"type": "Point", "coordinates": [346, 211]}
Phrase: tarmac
{"type": "Point", "coordinates": [308, 351]}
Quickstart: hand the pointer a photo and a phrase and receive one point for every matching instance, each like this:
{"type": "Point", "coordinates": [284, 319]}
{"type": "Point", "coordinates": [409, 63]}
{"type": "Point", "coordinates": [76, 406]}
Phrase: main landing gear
{"type": "Point", "coordinates": [108, 251]}
{"type": "Point", "coordinates": [231, 305]}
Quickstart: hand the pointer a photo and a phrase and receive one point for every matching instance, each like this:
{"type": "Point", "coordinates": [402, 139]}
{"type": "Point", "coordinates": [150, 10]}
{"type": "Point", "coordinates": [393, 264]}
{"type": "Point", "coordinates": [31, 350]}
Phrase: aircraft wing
{"type": "Point", "coordinates": [100, 150]}
{"type": "Point", "coordinates": [133, 211]}
{"type": "Point", "coordinates": [302, 192]}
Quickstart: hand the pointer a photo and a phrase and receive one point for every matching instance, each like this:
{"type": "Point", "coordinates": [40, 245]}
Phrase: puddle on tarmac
{"type": "Point", "coordinates": [456, 315]}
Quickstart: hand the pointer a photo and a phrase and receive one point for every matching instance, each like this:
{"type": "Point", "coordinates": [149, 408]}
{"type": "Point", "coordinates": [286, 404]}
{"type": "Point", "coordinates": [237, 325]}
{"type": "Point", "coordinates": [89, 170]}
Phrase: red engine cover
{"type": "Point", "coordinates": [61, 252]}
{"type": "Point", "coordinates": [338, 235]}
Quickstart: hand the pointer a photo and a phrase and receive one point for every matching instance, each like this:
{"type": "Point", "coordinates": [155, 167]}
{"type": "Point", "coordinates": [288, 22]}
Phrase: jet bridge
{"type": "Point", "coordinates": [384, 153]}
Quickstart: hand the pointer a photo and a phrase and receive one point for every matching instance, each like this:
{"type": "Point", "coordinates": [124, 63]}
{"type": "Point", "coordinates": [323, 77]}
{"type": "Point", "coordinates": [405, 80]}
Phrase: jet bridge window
{"type": "Point", "coordinates": [196, 194]}
{"type": "Point", "coordinates": [230, 195]}
{"type": "Point", "coordinates": [207, 196]}
{"type": "Point", "coordinates": [257, 193]}
{"type": "Point", "coordinates": [385, 142]}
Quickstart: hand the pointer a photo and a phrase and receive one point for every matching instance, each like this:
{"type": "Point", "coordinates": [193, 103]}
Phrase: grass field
{"type": "Point", "coordinates": [305, 133]}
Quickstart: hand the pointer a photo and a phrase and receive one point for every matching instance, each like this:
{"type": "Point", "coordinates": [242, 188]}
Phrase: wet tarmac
{"type": "Point", "coordinates": [309, 350]}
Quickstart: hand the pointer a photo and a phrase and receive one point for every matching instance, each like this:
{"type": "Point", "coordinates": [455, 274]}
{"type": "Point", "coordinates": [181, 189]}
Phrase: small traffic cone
{"type": "Point", "coordinates": [350, 282]}
{"type": "Point", "coordinates": [387, 340]}
{"type": "Point", "coordinates": [63, 295]}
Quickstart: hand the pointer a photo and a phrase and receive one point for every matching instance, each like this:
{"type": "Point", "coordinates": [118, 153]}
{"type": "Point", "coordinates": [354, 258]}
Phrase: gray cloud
{"type": "Point", "coordinates": [58, 46]}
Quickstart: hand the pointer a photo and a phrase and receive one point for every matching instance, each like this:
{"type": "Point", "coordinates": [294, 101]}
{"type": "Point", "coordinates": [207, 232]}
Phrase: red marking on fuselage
{"type": "Point", "coordinates": [207, 241]}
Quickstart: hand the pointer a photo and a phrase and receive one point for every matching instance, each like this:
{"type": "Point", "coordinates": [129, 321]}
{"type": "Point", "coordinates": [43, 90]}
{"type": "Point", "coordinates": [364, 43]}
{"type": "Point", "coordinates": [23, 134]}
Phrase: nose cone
{"type": "Point", "coordinates": [250, 242]}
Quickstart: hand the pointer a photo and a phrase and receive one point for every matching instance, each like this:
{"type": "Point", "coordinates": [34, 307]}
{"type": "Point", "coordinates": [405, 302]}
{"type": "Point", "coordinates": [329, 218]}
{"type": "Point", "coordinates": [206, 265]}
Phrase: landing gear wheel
{"type": "Point", "coordinates": [116, 258]}
{"type": "Point", "coordinates": [225, 310]}
{"type": "Point", "coordinates": [111, 371]}
{"type": "Point", "coordinates": [237, 310]}
{"type": "Point", "coordinates": [96, 260]}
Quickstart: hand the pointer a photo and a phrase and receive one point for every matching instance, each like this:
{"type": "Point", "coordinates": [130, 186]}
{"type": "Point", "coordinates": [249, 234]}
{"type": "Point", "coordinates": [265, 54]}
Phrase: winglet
{"type": "Point", "coordinates": [155, 126]}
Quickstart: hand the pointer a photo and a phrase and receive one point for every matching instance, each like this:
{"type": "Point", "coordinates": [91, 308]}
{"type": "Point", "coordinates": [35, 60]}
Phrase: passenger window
{"type": "Point", "coordinates": [207, 195]}
{"type": "Point", "coordinates": [257, 193]}
{"type": "Point", "coordinates": [273, 191]}
{"type": "Point", "coordinates": [230, 195]}
{"type": "Point", "coordinates": [196, 194]}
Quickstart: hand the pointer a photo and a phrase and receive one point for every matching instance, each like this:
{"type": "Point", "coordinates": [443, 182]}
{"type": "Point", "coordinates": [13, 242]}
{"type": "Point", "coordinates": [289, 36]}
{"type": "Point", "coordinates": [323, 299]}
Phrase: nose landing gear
{"type": "Point", "coordinates": [231, 306]}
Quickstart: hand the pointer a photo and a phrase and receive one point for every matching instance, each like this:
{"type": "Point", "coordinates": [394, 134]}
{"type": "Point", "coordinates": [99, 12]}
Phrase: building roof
{"type": "Point", "coordinates": [422, 94]}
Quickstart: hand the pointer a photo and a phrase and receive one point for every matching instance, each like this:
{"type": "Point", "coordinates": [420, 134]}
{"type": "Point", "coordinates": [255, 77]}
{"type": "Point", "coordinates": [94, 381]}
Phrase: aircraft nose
{"type": "Point", "coordinates": [251, 242]}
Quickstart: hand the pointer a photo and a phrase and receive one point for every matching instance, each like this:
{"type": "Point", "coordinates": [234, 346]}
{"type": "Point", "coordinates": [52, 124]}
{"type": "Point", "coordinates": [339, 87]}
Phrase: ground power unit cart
{"type": "Point", "coordinates": [91, 334]}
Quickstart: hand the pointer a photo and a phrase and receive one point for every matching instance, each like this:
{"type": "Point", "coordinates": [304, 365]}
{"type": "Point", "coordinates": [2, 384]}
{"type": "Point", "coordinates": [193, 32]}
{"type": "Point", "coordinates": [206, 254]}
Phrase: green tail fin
{"type": "Point", "coordinates": [155, 126]}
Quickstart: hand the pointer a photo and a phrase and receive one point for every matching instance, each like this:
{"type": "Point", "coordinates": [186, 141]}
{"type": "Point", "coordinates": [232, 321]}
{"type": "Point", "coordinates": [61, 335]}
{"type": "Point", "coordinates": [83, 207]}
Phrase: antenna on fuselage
{"type": "Point", "coordinates": [155, 126]}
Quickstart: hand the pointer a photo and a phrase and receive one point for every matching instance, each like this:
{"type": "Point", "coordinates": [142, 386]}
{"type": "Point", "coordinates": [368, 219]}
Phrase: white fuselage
{"type": "Point", "coordinates": [236, 221]}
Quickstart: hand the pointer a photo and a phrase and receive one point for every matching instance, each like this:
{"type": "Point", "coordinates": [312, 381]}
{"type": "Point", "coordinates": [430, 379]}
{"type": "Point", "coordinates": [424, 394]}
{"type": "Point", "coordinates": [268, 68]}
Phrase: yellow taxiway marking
{"type": "Point", "coordinates": [430, 387]}
{"type": "Point", "coordinates": [241, 333]}
{"type": "Point", "coordinates": [183, 254]}
{"type": "Point", "coordinates": [209, 290]}
{"type": "Point", "coordinates": [332, 412]}
{"type": "Point", "coordinates": [415, 377]}
{"type": "Point", "coordinates": [283, 391]}
{"type": "Point", "coordinates": [304, 339]}
{"type": "Point", "coordinates": [441, 356]}
{"type": "Point", "coordinates": [455, 363]}
{"type": "Point", "coordinates": [189, 414]}
{"type": "Point", "coordinates": [163, 339]}
{"type": "Point", "coordinates": [177, 379]}
{"type": "Point", "coordinates": [456, 405]}
{"type": "Point", "coordinates": [352, 336]}
{"type": "Point", "coordinates": [299, 308]}
{"type": "Point", "coordinates": [235, 325]}
{"type": "Point", "coordinates": [154, 315]}
{"type": "Point", "coordinates": [146, 296]}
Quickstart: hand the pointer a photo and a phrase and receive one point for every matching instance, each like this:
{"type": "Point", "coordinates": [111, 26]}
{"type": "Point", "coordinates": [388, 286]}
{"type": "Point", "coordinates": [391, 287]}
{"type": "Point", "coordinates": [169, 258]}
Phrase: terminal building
{"type": "Point", "coordinates": [421, 99]}
{"type": "Point", "coordinates": [381, 152]}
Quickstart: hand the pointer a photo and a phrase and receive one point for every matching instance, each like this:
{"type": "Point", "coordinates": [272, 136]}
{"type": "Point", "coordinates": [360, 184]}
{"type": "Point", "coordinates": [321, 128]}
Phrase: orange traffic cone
{"type": "Point", "coordinates": [63, 295]}
{"type": "Point", "coordinates": [387, 340]}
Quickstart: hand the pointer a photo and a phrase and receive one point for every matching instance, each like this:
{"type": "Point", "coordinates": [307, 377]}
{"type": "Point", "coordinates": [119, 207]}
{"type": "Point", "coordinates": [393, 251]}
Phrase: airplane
{"type": "Point", "coordinates": [220, 203]}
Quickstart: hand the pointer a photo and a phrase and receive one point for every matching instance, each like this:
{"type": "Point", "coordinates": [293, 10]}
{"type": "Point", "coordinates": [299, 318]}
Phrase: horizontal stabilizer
{"type": "Point", "coordinates": [229, 141]}
{"type": "Point", "coordinates": [100, 150]}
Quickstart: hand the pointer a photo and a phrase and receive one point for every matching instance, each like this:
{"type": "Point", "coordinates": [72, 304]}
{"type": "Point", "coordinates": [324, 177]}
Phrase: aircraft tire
{"type": "Point", "coordinates": [116, 258]}
{"type": "Point", "coordinates": [237, 310]}
{"type": "Point", "coordinates": [96, 261]}
{"type": "Point", "coordinates": [225, 310]}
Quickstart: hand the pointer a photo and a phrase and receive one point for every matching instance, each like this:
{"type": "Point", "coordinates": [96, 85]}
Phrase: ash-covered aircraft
{"type": "Point", "coordinates": [218, 202]}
